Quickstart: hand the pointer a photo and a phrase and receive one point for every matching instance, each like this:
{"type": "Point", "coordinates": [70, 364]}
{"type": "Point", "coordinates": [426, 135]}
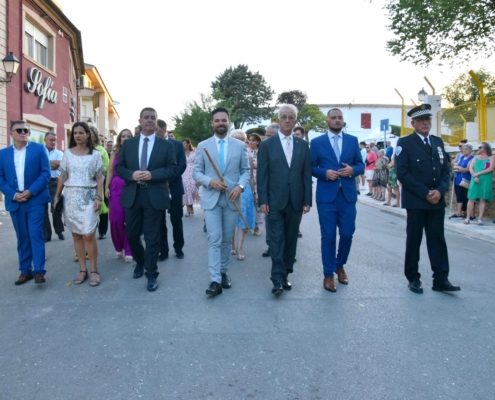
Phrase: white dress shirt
{"type": "Point", "coordinates": [423, 138]}
{"type": "Point", "coordinates": [151, 142]}
{"type": "Point", "coordinates": [340, 141]}
{"type": "Point", "coordinates": [225, 147]}
{"type": "Point", "coordinates": [20, 162]}
{"type": "Point", "coordinates": [283, 140]}
{"type": "Point", "coordinates": [54, 155]}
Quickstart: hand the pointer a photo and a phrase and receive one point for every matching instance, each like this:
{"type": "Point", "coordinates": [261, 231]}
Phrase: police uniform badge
{"type": "Point", "coordinates": [440, 154]}
{"type": "Point", "coordinates": [398, 149]}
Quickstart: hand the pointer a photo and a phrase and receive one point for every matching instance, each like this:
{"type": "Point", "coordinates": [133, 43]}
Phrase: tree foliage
{"type": "Point", "coordinates": [463, 89]}
{"type": "Point", "coordinates": [194, 122]}
{"type": "Point", "coordinates": [260, 130]}
{"type": "Point", "coordinates": [246, 94]}
{"type": "Point", "coordinates": [439, 31]}
{"type": "Point", "coordinates": [312, 119]}
{"type": "Point", "coordinates": [295, 97]}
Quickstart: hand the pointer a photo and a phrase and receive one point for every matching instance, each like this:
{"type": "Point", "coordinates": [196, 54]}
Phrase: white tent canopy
{"type": "Point", "coordinates": [376, 134]}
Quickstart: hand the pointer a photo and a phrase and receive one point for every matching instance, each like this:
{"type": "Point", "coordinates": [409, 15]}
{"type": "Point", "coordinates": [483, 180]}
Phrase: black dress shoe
{"type": "Point", "coordinates": [214, 289]}
{"type": "Point", "coordinates": [152, 284]}
{"type": "Point", "coordinates": [180, 255]}
{"type": "Point", "coordinates": [23, 278]}
{"type": "Point", "coordinates": [61, 236]}
{"type": "Point", "coordinates": [138, 271]}
{"type": "Point", "coordinates": [286, 285]}
{"type": "Point", "coordinates": [266, 253]}
{"type": "Point", "coordinates": [47, 240]}
{"type": "Point", "coordinates": [226, 282]}
{"type": "Point", "coordinates": [39, 278]}
{"type": "Point", "coordinates": [445, 286]}
{"type": "Point", "coordinates": [162, 256]}
{"type": "Point", "coordinates": [102, 236]}
{"type": "Point", "coordinates": [415, 286]}
{"type": "Point", "coordinates": [204, 227]}
{"type": "Point", "coordinates": [277, 289]}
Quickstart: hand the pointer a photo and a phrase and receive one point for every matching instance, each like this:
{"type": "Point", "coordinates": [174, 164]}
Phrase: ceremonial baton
{"type": "Point", "coordinates": [220, 176]}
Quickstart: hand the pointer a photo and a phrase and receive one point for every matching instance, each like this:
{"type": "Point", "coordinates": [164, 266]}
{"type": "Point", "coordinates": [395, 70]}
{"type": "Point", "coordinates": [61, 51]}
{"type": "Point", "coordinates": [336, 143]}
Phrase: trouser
{"type": "Point", "coordinates": [176, 214]}
{"type": "Point", "coordinates": [58, 225]}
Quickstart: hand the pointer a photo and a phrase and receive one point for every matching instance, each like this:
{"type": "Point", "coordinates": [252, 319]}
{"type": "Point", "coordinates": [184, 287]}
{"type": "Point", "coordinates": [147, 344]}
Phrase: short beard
{"type": "Point", "coordinates": [336, 130]}
{"type": "Point", "coordinates": [221, 133]}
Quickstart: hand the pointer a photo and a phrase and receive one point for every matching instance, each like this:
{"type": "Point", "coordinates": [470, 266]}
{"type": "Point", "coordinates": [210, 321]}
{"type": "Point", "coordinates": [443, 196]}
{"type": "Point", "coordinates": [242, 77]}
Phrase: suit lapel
{"type": "Point", "coordinates": [29, 155]}
{"type": "Point", "coordinates": [279, 147]}
{"type": "Point", "coordinates": [230, 144]}
{"type": "Point", "coordinates": [329, 148]}
{"type": "Point", "coordinates": [421, 143]}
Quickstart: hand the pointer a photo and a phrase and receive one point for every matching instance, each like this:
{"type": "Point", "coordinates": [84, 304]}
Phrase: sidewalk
{"type": "Point", "coordinates": [485, 232]}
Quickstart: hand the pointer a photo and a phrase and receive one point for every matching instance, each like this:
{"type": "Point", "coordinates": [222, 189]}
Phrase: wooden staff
{"type": "Point", "coordinates": [220, 176]}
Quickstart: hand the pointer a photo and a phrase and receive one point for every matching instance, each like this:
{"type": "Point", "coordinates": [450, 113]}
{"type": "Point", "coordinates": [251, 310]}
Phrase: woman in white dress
{"type": "Point", "coordinates": [81, 178]}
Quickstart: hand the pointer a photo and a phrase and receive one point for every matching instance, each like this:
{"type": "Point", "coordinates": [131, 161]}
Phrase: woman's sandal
{"type": "Point", "coordinates": [233, 252]}
{"type": "Point", "coordinates": [240, 257]}
{"type": "Point", "coordinates": [95, 282]}
{"type": "Point", "coordinates": [78, 281]}
{"type": "Point", "coordinates": [480, 222]}
{"type": "Point", "coordinates": [467, 221]}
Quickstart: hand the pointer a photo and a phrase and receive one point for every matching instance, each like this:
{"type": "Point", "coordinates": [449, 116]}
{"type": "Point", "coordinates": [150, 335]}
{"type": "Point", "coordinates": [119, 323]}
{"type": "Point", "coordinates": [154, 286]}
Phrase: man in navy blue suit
{"type": "Point", "coordinates": [176, 191]}
{"type": "Point", "coordinates": [336, 161]}
{"type": "Point", "coordinates": [24, 176]}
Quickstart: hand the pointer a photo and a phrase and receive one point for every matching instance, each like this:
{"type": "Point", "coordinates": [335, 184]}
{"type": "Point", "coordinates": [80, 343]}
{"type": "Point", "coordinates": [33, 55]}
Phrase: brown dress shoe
{"type": "Point", "coordinates": [329, 284]}
{"type": "Point", "coordinates": [39, 278]}
{"type": "Point", "coordinates": [23, 278]}
{"type": "Point", "coordinates": [342, 276]}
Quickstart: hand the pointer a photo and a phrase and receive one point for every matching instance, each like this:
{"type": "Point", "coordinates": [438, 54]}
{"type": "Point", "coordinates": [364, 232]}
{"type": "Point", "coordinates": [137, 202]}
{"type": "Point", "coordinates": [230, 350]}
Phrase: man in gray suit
{"type": "Point", "coordinates": [232, 161]}
{"type": "Point", "coordinates": [284, 193]}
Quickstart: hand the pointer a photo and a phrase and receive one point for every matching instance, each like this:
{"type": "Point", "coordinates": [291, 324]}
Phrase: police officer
{"type": "Point", "coordinates": [423, 169]}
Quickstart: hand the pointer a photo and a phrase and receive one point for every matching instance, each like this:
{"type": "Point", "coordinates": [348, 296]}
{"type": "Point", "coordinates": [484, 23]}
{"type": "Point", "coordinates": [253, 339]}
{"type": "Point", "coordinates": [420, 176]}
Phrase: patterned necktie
{"type": "Point", "coordinates": [335, 146]}
{"type": "Point", "coordinates": [427, 144]}
{"type": "Point", "coordinates": [144, 155]}
{"type": "Point", "coordinates": [221, 153]}
{"type": "Point", "coordinates": [288, 150]}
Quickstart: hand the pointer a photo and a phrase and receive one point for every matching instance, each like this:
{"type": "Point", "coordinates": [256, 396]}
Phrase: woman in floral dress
{"type": "Point", "coordinates": [191, 194]}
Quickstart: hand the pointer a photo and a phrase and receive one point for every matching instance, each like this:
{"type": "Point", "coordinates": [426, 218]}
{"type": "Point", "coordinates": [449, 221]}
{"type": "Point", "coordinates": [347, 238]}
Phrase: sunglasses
{"type": "Point", "coordinates": [22, 130]}
{"type": "Point", "coordinates": [481, 147]}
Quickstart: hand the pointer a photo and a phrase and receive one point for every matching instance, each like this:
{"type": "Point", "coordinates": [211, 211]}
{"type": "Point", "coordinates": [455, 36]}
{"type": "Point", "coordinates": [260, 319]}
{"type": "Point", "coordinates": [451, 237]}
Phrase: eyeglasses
{"type": "Point", "coordinates": [460, 145]}
{"type": "Point", "coordinates": [21, 130]}
{"type": "Point", "coordinates": [287, 118]}
{"type": "Point", "coordinates": [481, 147]}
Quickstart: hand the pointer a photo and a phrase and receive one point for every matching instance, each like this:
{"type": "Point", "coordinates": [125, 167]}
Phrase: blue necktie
{"type": "Point", "coordinates": [335, 146]}
{"type": "Point", "coordinates": [221, 153]}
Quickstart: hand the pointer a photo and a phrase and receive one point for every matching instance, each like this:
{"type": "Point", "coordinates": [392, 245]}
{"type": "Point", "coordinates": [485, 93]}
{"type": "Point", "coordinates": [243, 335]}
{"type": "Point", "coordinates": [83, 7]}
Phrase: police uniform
{"type": "Point", "coordinates": [423, 165]}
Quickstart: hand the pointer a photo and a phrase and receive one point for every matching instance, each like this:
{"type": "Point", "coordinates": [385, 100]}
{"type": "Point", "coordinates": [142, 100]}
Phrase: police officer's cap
{"type": "Point", "coordinates": [424, 110]}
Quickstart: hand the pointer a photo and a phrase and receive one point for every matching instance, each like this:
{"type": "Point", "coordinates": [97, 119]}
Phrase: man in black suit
{"type": "Point", "coordinates": [176, 191]}
{"type": "Point", "coordinates": [146, 163]}
{"type": "Point", "coordinates": [423, 169]}
{"type": "Point", "coordinates": [284, 193]}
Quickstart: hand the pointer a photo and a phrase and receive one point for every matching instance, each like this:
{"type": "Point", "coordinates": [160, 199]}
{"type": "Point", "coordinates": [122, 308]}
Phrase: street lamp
{"type": "Point", "coordinates": [10, 65]}
{"type": "Point", "coordinates": [421, 95]}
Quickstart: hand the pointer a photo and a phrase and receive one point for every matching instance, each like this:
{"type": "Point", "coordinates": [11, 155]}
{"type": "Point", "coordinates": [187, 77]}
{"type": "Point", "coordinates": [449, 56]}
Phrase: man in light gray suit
{"type": "Point", "coordinates": [231, 159]}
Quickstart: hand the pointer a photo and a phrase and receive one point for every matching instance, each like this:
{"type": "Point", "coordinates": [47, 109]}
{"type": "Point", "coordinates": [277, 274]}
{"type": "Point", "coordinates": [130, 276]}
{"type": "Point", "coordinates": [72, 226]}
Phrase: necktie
{"type": "Point", "coordinates": [288, 150]}
{"type": "Point", "coordinates": [335, 146]}
{"type": "Point", "coordinates": [221, 153]}
{"type": "Point", "coordinates": [427, 144]}
{"type": "Point", "coordinates": [144, 155]}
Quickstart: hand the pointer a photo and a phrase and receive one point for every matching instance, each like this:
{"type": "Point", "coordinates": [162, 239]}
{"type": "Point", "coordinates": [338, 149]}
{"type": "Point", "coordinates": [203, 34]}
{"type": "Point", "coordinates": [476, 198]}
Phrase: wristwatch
{"type": "Point", "coordinates": [242, 188]}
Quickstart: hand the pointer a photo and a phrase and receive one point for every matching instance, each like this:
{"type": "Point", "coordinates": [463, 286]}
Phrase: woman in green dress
{"type": "Point", "coordinates": [481, 188]}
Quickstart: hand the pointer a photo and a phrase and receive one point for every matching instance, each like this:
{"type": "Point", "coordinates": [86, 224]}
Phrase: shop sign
{"type": "Point", "coordinates": [43, 90]}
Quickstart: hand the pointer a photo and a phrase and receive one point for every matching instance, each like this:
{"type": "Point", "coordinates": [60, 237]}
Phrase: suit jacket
{"type": "Point", "coordinates": [36, 175]}
{"type": "Point", "coordinates": [277, 182]}
{"type": "Point", "coordinates": [237, 170]}
{"type": "Point", "coordinates": [323, 158]}
{"type": "Point", "coordinates": [420, 170]}
{"type": "Point", "coordinates": [175, 184]}
{"type": "Point", "coordinates": [162, 166]}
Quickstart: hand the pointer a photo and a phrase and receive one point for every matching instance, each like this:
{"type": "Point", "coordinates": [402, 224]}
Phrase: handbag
{"type": "Point", "coordinates": [60, 204]}
{"type": "Point", "coordinates": [465, 183]}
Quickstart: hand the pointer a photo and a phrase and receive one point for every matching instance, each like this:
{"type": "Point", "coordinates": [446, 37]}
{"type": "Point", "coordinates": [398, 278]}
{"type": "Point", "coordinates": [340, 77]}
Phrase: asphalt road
{"type": "Point", "coordinates": [373, 339]}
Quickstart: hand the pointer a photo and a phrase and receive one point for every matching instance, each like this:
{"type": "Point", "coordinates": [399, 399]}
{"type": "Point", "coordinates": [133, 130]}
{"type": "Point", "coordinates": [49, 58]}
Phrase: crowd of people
{"type": "Point", "coordinates": [244, 183]}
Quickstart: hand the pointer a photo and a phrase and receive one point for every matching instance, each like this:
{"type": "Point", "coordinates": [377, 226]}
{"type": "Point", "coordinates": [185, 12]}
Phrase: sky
{"type": "Point", "coordinates": [164, 54]}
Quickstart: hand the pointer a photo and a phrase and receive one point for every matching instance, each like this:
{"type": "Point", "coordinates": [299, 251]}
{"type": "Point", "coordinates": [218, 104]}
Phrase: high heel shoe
{"type": "Point", "coordinates": [78, 280]}
{"type": "Point", "coordinates": [95, 282]}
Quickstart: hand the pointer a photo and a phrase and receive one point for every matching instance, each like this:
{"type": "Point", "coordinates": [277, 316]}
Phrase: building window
{"type": "Point", "coordinates": [36, 44]}
{"type": "Point", "coordinates": [365, 121]}
{"type": "Point", "coordinates": [65, 95]}
{"type": "Point", "coordinates": [83, 111]}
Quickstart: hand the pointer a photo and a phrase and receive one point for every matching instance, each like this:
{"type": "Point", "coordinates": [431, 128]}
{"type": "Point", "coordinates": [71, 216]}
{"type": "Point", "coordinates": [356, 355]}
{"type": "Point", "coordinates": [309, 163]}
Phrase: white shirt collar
{"type": "Point", "coordinates": [283, 137]}
{"type": "Point", "coordinates": [423, 138]}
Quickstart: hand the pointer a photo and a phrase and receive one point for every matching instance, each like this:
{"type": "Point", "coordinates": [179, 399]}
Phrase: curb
{"type": "Point", "coordinates": [485, 233]}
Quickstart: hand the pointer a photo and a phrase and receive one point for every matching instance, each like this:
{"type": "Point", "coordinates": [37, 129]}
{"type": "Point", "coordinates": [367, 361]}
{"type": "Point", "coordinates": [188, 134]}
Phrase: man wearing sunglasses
{"type": "Point", "coordinates": [24, 176]}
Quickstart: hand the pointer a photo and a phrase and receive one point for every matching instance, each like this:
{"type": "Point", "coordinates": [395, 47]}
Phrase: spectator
{"type": "Point", "coordinates": [389, 152]}
{"type": "Point", "coordinates": [374, 148]}
{"type": "Point", "coordinates": [191, 194]}
{"type": "Point", "coordinates": [481, 187]}
{"type": "Point", "coordinates": [369, 170]}
{"type": "Point", "coordinates": [393, 184]}
{"type": "Point", "coordinates": [380, 177]}
{"type": "Point", "coordinates": [462, 174]}
{"type": "Point", "coordinates": [254, 141]}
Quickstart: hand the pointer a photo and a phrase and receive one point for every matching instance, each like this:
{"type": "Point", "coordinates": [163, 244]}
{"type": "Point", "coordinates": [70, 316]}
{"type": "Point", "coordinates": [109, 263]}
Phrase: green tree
{"type": "Point", "coordinates": [463, 89]}
{"type": "Point", "coordinates": [246, 94]}
{"type": "Point", "coordinates": [194, 122]}
{"type": "Point", "coordinates": [439, 31]}
{"type": "Point", "coordinates": [260, 130]}
{"type": "Point", "coordinates": [312, 119]}
{"type": "Point", "coordinates": [295, 97]}
{"type": "Point", "coordinates": [395, 129]}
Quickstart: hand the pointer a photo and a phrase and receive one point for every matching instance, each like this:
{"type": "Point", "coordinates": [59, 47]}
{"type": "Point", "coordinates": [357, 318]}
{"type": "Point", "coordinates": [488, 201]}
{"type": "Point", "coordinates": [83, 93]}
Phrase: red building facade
{"type": "Point", "coordinates": [49, 47]}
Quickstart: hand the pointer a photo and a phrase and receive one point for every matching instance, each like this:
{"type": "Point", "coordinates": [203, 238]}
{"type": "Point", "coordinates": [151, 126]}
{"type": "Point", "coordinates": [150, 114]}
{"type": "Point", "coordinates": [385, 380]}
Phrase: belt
{"type": "Point", "coordinates": [54, 179]}
{"type": "Point", "coordinates": [142, 185]}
